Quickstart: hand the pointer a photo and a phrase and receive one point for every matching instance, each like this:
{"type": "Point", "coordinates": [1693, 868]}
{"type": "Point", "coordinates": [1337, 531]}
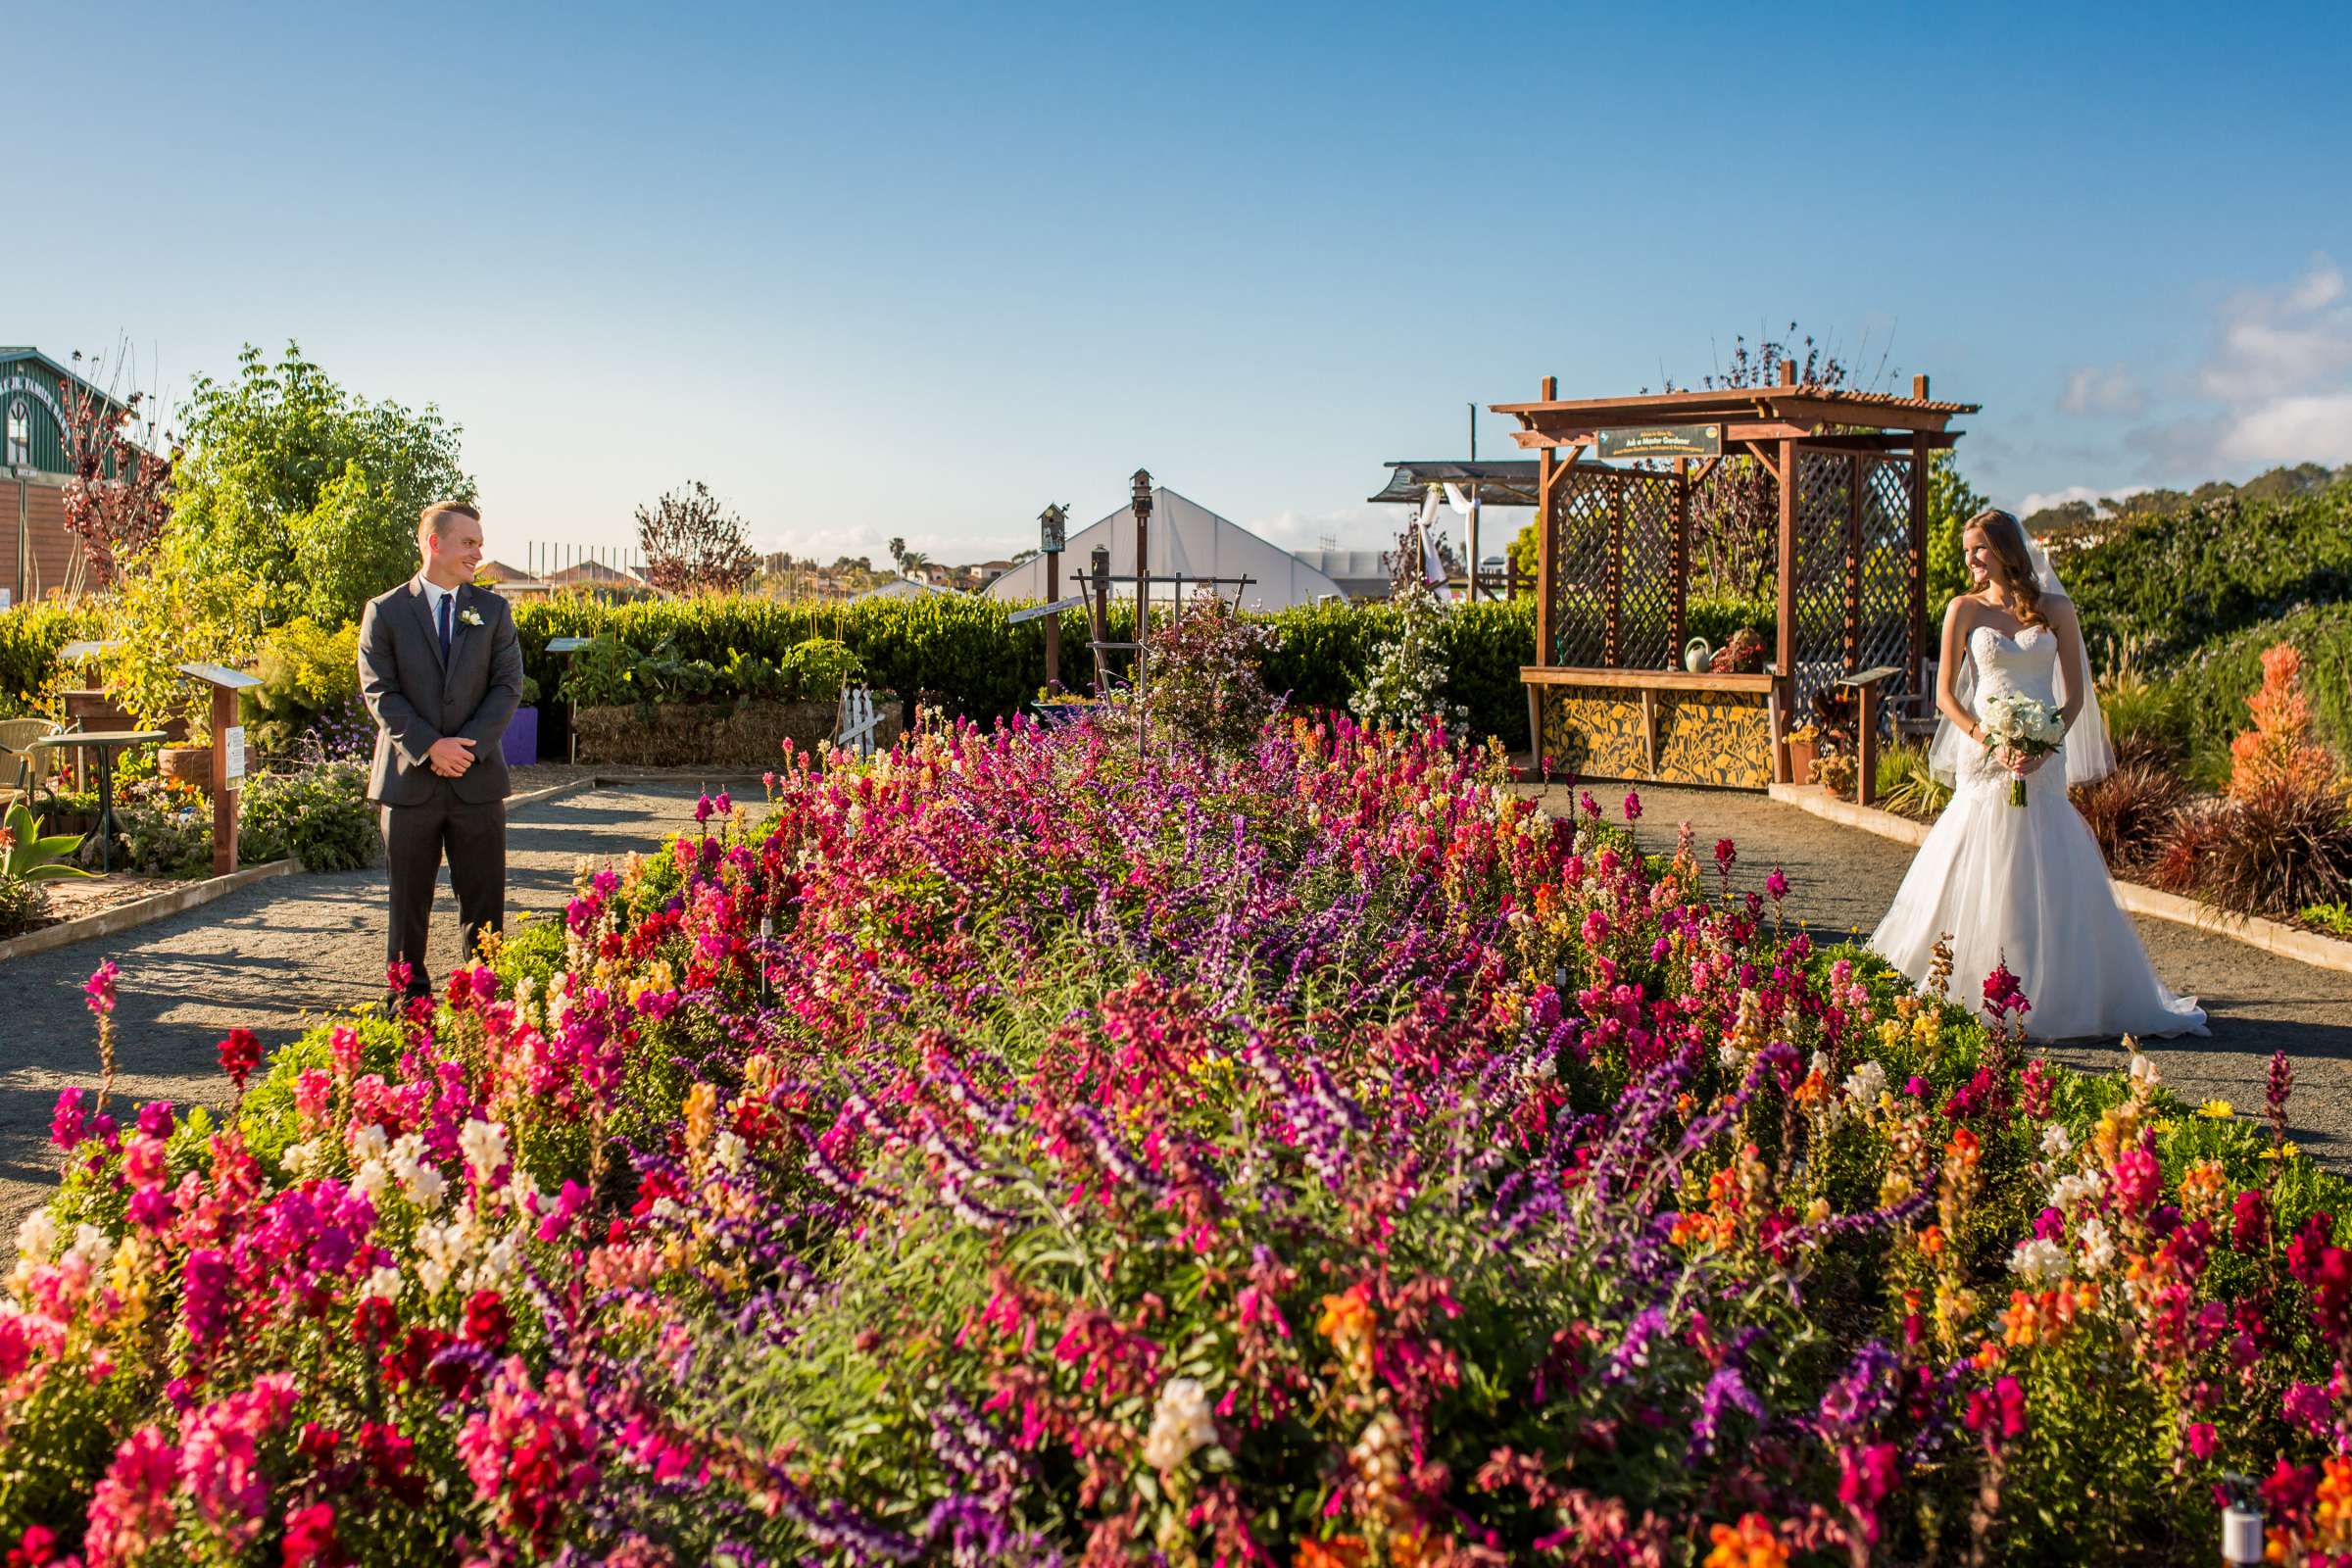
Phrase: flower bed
{"type": "Point", "coordinates": [1316, 1157]}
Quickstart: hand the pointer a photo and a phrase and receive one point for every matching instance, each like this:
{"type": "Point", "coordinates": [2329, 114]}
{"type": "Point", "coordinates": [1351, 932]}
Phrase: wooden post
{"type": "Point", "coordinates": [227, 779]}
{"type": "Point", "coordinates": [1865, 744]}
{"type": "Point", "coordinates": [1548, 473]}
{"type": "Point", "coordinates": [1098, 607]}
{"type": "Point", "coordinates": [1784, 630]}
{"type": "Point", "coordinates": [1052, 622]}
{"type": "Point", "coordinates": [1850, 630]}
{"type": "Point", "coordinates": [1921, 454]}
{"type": "Point", "coordinates": [1682, 561]}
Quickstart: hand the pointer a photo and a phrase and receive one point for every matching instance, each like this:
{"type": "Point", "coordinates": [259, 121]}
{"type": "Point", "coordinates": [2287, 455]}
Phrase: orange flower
{"type": "Point", "coordinates": [1749, 1544]}
{"type": "Point", "coordinates": [1344, 1551]}
{"type": "Point", "coordinates": [1931, 1242]}
{"type": "Point", "coordinates": [2020, 1319]}
{"type": "Point", "coordinates": [1964, 1148]}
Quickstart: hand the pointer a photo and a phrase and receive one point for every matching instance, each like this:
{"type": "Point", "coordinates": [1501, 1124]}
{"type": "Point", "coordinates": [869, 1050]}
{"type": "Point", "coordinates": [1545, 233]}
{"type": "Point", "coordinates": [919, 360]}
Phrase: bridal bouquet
{"type": "Point", "coordinates": [2021, 724]}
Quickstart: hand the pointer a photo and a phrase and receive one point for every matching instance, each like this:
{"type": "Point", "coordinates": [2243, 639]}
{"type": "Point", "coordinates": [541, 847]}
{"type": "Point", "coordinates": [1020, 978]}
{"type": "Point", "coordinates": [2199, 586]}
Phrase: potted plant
{"type": "Point", "coordinates": [1800, 744]}
{"type": "Point", "coordinates": [520, 746]}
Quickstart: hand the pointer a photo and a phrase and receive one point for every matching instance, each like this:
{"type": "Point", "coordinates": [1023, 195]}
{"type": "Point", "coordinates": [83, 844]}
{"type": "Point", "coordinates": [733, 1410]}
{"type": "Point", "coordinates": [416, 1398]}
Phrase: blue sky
{"type": "Point", "coordinates": [919, 270]}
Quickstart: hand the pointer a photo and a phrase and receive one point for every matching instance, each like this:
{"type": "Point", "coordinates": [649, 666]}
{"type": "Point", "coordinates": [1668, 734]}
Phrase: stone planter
{"type": "Point", "coordinates": [748, 736]}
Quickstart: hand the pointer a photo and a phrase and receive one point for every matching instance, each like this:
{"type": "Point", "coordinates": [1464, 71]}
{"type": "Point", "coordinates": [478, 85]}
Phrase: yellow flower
{"type": "Point", "coordinates": [2218, 1109]}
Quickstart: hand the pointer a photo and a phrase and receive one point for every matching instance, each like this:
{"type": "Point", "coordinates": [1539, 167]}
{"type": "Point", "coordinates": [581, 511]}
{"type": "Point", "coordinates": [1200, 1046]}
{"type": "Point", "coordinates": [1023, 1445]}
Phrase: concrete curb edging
{"type": "Point", "coordinates": [174, 900]}
{"type": "Point", "coordinates": [2286, 940]}
{"type": "Point", "coordinates": [155, 907]}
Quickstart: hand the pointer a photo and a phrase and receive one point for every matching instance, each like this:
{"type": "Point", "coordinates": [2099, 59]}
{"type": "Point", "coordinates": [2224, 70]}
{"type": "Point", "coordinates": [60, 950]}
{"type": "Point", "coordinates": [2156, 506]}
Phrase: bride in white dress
{"type": "Point", "coordinates": [2023, 885]}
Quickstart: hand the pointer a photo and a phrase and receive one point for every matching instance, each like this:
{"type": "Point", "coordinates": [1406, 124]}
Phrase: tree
{"type": "Point", "coordinates": [1951, 501]}
{"type": "Point", "coordinates": [897, 554]}
{"type": "Point", "coordinates": [310, 493]}
{"type": "Point", "coordinates": [694, 545]}
{"type": "Point", "coordinates": [118, 498]}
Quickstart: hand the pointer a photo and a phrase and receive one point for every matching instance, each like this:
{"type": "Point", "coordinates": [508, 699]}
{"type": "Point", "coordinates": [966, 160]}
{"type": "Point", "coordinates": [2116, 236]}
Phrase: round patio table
{"type": "Point", "coordinates": [106, 743]}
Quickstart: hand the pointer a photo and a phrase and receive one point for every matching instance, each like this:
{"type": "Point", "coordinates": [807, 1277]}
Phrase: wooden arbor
{"type": "Point", "coordinates": [1847, 474]}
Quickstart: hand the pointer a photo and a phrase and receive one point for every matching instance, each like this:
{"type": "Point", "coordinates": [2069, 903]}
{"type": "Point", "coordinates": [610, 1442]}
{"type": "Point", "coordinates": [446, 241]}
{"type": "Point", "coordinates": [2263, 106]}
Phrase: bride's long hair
{"type": "Point", "coordinates": [2007, 537]}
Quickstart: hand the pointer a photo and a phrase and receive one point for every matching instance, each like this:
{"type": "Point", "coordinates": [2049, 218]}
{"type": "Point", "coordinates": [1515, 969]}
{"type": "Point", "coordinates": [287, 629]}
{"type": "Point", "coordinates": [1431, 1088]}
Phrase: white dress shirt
{"type": "Point", "coordinates": [434, 593]}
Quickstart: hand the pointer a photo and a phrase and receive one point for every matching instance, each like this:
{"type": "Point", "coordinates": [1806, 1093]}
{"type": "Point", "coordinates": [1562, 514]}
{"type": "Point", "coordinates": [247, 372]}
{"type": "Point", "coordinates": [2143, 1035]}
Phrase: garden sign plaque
{"type": "Point", "coordinates": [1661, 441]}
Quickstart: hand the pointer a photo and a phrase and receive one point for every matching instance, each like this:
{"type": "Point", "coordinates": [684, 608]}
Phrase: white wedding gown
{"type": "Point", "coordinates": [2027, 886]}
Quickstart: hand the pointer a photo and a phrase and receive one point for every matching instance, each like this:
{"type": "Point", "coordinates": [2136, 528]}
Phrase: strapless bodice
{"type": "Point", "coordinates": [2026, 663]}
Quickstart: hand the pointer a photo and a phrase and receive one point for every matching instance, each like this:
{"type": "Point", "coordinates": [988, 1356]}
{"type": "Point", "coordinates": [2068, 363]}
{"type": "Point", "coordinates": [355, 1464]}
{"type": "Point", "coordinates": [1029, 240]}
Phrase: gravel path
{"type": "Point", "coordinates": [274, 956]}
{"type": "Point", "coordinates": [1842, 879]}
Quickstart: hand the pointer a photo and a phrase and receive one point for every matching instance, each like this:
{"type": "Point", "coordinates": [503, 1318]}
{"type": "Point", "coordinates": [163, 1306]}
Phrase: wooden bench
{"type": "Point", "coordinates": [1865, 686]}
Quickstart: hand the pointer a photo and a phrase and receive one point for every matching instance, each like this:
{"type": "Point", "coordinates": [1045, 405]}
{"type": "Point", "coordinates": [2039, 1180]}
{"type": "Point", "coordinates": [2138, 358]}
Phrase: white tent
{"type": "Point", "coordinates": [1187, 539]}
{"type": "Point", "coordinates": [906, 588]}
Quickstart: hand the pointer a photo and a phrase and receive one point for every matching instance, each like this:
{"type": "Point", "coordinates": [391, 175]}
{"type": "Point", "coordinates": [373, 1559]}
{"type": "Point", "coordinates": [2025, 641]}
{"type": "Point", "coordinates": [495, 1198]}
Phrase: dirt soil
{"type": "Point", "coordinates": [1843, 880]}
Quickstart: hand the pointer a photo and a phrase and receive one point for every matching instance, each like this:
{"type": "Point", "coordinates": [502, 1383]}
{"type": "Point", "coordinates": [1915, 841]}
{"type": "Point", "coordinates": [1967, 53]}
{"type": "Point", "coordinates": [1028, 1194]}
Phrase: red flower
{"type": "Point", "coordinates": [486, 1322]}
{"type": "Point", "coordinates": [372, 1321]}
{"type": "Point", "coordinates": [2003, 994]}
{"type": "Point", "coordinates": [240, 1054]}
{"type": "Point", "coordinates": [38, 1545]}
{"type": "Point", "coordinates": [1997, 1413]}
{"type": "Point", "coordinates": [311, 1536]}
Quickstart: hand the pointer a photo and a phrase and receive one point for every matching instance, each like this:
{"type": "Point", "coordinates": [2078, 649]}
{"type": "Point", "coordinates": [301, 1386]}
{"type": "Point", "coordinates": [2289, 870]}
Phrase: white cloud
{"type": "Point", "coordinates": [2043, 500]}
{"type": "Point", "coordinates": [2311, 427]}
{"type": "Point", "coordinates": [2282, 367]}
{"type": "Point", "coordinates": [2093, 390]}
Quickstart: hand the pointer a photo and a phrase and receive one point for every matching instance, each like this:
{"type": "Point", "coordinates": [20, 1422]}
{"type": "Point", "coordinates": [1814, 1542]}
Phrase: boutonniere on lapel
{"type": "Point", "coordinates": [472, 617]}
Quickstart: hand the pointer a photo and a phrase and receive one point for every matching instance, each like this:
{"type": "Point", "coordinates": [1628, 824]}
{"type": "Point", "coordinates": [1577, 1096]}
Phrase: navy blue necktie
{"type": "Point", "coordinates": [446, 600]}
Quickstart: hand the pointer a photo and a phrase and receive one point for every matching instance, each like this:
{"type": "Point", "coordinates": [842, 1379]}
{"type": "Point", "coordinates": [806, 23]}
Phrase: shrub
{"type": "Point", "coordinates": [2334, 919]}
{"type": "Point", "coordinates": [319, 814]}
{"type": "Point", "coordinates": [2277, 750]}
{"type": "Point", "coordinates": [29, 637]}
{"type": "Point", "coordinates": [817, 669]}
{"type": "Point", "coordinates": [1404, 688]}
{"type": "Point", "coordinates": [2131, 812]}
{"type": "Point", "coordinates": [166, 830]}
{"type": "Point", "coordinates": [2144, 717]}
{"type": "Point", "coordinates": [2274, 852]}
{"type": "Point", "coordinates": [308, 673]}
{"type": "Point", "coordinates": [1203, 684]}
{"type": "Point", "coordinates": [1908, 785]}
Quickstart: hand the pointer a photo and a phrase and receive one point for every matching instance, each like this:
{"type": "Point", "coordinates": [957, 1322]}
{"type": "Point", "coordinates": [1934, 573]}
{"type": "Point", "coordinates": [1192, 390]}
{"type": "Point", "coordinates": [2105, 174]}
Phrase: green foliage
{"type": "Point", "coordinates": [294, 484]}
{"type": "Point", "coordinates": [164, 615]}
{"type": "Point", "coordinates": [2171, 582]}
{"type": "Point", "coordinates": [307, 670]}
{"type": "Point", "coordinates": [2334, 919]}
{"type": "Point", "coordinates": [815, 670]}
{"type": "Point", "coordinates": [166, 835]}
{"type": "Point", "coordinates": [1951, 501]}
{"type": "Point", "coordinates": [2207, 692]}
{"type": "Point", "coordinates": [27, 859]}
{"type": "Point", "coordinates": [610, 671]}
{"type": "Point", "coordinates": [29, 637]}
{"type": "Point", "coordinates": [319, 814]}
{"type": "Point", "coordinates": [1205, 682]}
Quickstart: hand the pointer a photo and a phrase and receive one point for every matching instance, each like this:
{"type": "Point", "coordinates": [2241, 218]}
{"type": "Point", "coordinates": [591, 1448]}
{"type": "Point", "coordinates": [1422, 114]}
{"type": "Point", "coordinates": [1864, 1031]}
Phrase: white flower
{"type": "Point", "coordinates": [472, 617]}
{"type": "Point", "coordinates": [384, 1282]}
{"type": "Point", "coordinates": [1821, 1058]}
{"type": "Point", "coordinates": [2143, 1071]}
{"type": "Point", "coordinates": [424, 1185]}
{"type": "Point", "coordinates": [299, 1159]}
{"type": "Point", "coordinates": [1866, 1083]}
{"type": "Point", "coordinates": [484, 1143]}
{"type": "Point", "coordinates": [2068, 1189]}
{"type": "Point", "coordinates": [1181, 1424]}
{"type": "Point", "coordinates": [730, 1152]}
{"type": "Point", "coordinates": [2037, 1260]}
{"type": "Point", "coordinates": [432, 1274]}
{"type": "Point", "coordinates": [2056, 1142]}
{"type": "Point", "coordinates": [93, 1245]}
{"type": "Point", "coordinates": [36, 1238]}
{"type": "Point", "coordinates": [2098, 1248]}
{"type": "Point", "coordinates": [371, 1180]}
{"type": "Point", "coordinates": [369, 1143]}
{"type": "Point", "coordinates": [1729, 1056]}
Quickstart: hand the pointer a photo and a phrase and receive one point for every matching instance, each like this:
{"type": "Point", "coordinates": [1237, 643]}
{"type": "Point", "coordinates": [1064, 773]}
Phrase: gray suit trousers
{"type": "Point", "coordinates": [474, 834]}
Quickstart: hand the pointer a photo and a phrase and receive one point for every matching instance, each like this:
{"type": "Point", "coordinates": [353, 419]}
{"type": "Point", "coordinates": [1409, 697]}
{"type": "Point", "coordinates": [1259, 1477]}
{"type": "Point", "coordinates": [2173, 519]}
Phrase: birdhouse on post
{"type": "Point", "coordinates": [228, 756]}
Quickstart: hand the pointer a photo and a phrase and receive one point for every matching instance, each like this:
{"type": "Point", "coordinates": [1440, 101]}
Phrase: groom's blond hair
{"type": "Point", "coordinates": [430, 517]}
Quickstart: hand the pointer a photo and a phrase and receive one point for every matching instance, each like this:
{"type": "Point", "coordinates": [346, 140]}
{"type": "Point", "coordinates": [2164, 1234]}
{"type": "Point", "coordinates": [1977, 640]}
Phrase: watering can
{"type": "Point", "coordinates": [1697, 655]}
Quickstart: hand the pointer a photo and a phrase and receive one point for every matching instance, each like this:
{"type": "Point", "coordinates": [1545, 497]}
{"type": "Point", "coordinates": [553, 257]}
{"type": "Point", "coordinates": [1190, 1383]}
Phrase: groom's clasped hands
{"type": "Point", "coordinates": [449, 756]}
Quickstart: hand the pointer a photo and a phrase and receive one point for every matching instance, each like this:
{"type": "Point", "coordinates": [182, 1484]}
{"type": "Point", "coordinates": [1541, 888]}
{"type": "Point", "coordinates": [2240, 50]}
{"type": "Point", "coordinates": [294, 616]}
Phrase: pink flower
{"type": "Point", "coordinates": [1633, 807]}
{"type": "Point", "coordinates": [2138, 1180]}
{"type": "Point", "coordinates": [1998, 1413]}
{"type": "Point", "coordinates": [2003, 994]}
{"type": "Point", "coordinates": [1776, 884]}
{"type": "Point", "coordinates": [205, 1281]}
{"type": "Point", "coordinates": [1597, 928]}
{"type": "Point", "coordinates": [311, 1536]}
{"type": "Point", "coordinates": [99, 988]}
{"type": "Point", "coordinates": [2201, 1440]}
{"type": "Point", "coordinates": [69, 1125]}
{"type": "Point", "coordinates": [131, 1509]}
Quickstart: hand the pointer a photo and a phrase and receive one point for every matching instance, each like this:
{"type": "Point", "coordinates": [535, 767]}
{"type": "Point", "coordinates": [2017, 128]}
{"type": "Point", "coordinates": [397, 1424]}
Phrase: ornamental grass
{"type": "Point", "coordinates": [1017, 1152]}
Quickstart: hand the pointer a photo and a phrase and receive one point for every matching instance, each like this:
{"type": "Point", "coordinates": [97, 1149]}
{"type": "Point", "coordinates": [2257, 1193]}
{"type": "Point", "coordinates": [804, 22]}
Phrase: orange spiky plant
{"type": "Point", "coordinates": [2279, 749]}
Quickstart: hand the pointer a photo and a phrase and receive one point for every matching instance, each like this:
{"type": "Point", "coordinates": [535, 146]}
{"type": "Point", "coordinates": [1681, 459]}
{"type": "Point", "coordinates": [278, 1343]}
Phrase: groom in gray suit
{"type": "Point", "coordinates": [442, 673]}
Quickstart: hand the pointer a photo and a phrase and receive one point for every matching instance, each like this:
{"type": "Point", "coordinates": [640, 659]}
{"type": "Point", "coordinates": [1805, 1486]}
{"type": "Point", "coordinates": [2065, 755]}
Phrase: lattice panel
{"type": "Point", "coordinates": [1645, 617]}
{"type": "Point", "coordinates": [1824, 508]}
{"type": "Point", "coordinates": [1580, 553]}
{"type": "Point", "coordinates": [1883, 594]}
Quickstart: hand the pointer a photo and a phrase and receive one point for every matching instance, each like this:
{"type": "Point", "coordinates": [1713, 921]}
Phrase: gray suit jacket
{"type": "Point", "coordinates": [416, 699]}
